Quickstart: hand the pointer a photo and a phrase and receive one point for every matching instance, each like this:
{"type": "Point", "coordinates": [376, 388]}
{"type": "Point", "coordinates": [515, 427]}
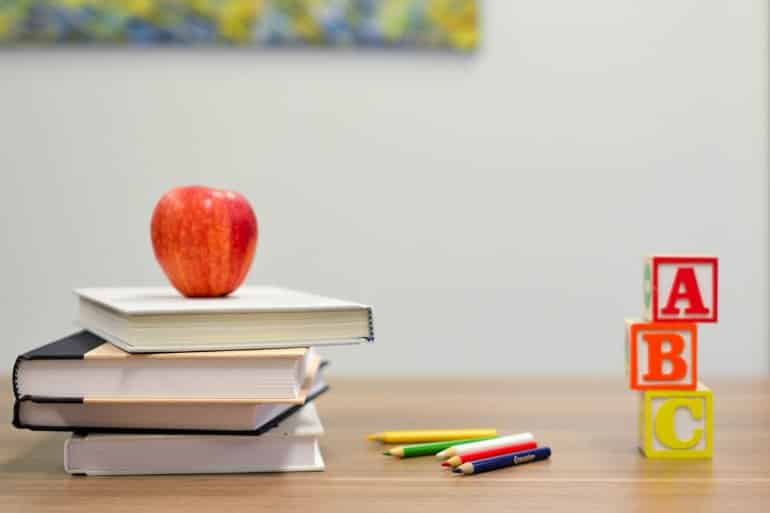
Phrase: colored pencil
{"type": "Point", "coordinates": [430, 435]}
{"type": "Point", "coordinates": [488, 453]}
{"type": "Point", "coordinates": [485, 444]}
{"type": "Point", "coordinates": [428, 449]}
{"type": "Point", "coordinates": [506, 460]}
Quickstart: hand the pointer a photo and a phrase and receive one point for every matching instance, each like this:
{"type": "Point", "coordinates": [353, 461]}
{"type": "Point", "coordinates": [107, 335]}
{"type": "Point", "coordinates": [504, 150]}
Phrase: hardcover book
{"type": "Point", "coordinates": [62, 414]}
{"type": "Point", "coordinates": [292, 447]}
{"type": "Point", "coordinates": [86, 368]}
{"type": "Point", "coordinates": [159, 319]}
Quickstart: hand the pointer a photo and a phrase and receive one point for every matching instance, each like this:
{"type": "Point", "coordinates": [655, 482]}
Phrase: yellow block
{"type": "Point", "coordinates": [677, 424]}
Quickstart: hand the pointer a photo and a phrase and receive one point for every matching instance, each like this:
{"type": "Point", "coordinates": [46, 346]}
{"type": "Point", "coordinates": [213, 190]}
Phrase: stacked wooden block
{"type": "Point", "coordinates": [676, 417]}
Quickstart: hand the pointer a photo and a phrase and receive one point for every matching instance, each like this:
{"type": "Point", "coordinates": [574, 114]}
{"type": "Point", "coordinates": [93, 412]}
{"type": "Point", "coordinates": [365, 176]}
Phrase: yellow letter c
{"type": "Point", "coordinates": [665, 429]}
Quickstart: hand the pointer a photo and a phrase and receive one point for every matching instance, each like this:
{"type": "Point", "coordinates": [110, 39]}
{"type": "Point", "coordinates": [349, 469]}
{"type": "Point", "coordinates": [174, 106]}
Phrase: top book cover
{"type": "Point", "coordinates": [159, 319]}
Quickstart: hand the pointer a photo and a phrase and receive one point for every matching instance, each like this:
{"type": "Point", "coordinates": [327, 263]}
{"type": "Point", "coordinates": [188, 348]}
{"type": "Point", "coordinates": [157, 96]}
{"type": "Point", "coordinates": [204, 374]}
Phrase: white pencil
{"type": "Point", "coordinates": [492, 443]}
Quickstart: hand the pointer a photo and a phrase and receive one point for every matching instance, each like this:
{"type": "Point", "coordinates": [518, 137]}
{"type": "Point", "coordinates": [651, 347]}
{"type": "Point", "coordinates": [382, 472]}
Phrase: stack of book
{"type": "Point", "coordinates": [162, 384]}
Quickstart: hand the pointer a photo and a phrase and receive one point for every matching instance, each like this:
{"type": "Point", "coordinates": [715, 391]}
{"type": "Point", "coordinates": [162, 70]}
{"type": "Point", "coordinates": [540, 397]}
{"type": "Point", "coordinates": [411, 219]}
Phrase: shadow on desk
{"type": "Point", "coordinates": [44, 453]}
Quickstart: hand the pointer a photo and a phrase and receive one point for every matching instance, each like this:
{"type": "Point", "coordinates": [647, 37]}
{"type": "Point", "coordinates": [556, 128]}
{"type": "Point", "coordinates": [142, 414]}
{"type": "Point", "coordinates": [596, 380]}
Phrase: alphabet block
{"type": "Point", "coordinates": [676, 424]}
{"type": "Point", "coordinates": [681, 288]}
{"type": "Point", "coordinates": [662, 355]}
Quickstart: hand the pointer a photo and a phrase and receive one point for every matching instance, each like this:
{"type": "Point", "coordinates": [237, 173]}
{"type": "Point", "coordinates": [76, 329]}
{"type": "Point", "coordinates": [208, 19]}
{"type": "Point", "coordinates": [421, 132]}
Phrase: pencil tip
{"type": "Point", "coordinates": [373, 436]}
{"type": "Point", "coordinates": [457, 470]}
{"type": "Point", "coordinates": [386, 453]}
{"type": "Point", "coordinates": [445, 464]}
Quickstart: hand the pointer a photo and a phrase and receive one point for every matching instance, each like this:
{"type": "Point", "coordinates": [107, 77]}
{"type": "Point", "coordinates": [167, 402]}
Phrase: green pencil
{"type": "Point", "coordinates": [429, 449]}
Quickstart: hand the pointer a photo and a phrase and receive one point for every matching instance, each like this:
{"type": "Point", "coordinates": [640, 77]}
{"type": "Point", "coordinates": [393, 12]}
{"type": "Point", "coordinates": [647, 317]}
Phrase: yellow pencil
{"type": "Point", "coordinates": [430, 435]}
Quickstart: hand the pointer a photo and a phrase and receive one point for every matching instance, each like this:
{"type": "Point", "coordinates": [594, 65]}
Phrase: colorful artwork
{"type": "Point", "coordinates": [444, 24]}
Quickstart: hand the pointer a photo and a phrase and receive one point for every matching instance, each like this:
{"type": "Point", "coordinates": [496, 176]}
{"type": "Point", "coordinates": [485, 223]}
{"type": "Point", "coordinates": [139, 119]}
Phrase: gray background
{"type": "Point", "coordinates": [494, 209]}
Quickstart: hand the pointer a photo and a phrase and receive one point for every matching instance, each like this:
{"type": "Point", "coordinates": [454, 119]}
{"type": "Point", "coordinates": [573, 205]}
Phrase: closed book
{"type": "Point", "coordinates": [292, 447]}
{"type": "Point", "coordinates": [61, 414]}
{"type": "Point", "coordinates": [85, 367]}
{"type": "Point", "coordinates": [159, 319]}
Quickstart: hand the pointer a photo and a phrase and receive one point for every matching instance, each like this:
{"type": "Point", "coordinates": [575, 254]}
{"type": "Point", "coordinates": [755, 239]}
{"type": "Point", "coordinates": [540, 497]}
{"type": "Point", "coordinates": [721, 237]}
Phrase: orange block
{"type": "Point", "coordinates": [662, 355]}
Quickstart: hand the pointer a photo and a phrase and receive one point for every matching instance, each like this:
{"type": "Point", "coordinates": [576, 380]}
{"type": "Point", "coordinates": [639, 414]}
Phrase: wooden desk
{"type": "Point", "coordinates": [591, 425]}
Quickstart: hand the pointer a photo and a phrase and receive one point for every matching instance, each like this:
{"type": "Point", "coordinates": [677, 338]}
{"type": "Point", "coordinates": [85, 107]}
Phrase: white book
{"type": "Point", "coordinates": [159, 319]}
{"type": "Point", "coordinates": [291, 447]}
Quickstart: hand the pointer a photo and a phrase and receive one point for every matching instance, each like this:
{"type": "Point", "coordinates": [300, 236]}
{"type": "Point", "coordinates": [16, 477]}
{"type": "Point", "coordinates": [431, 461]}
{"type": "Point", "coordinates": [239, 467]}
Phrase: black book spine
{"type": "Point", "coordinates": [17, 423]}
{"type": "Point", "coordinates": [84, 430]}
{"type": "Point", "coordinates": [15, 376]}
{"type": "Point", "coordinates": [16, 420]}
{"type": "Point", "coordinates": [71, 347]}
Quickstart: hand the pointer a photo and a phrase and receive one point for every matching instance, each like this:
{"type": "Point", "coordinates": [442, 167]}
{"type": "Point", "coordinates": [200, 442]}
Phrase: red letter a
{"type": "Point", "coordinates": [685, 287]}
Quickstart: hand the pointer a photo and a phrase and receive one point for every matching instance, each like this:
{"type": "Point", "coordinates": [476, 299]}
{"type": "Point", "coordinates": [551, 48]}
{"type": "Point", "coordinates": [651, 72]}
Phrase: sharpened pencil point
{"type": "Point", "coordinates": [386, 453]}
{"type": "Point", "coordinates": [457, 470]}
{"type": "Point", "coordinates": [373, 436]}
{"type": "Point", "coordinates": [453, 461]}
{"type": "Point", "coordinates": [445, 464]}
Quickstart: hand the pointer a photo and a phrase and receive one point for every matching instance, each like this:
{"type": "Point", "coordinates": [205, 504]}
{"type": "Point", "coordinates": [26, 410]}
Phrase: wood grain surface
{"type": "Point", "coordinates": [589, 423]}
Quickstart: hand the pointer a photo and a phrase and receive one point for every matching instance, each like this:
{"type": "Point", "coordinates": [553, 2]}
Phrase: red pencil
{"type": "Point", "coordinates": [488, 453]}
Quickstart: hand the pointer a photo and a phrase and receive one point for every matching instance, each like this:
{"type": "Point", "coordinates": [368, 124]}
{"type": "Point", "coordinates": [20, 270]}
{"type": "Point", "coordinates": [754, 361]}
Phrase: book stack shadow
{"type": "Point", "coordinates": [156, 383]}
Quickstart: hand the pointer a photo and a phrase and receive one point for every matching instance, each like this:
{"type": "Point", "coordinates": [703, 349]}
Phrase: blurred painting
{"type": "Point", "coordinates": [435, 24]}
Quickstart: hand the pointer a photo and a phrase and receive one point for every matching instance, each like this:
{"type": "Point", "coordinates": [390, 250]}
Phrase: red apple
{"type": "Point", "coordinates": [204, 239]}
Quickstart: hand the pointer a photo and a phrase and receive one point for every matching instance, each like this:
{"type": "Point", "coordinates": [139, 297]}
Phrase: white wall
{"type": "Point", "coordinates": [494, 209]}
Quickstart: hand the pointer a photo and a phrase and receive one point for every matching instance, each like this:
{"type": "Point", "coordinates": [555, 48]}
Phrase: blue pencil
{"type": "Point", "coordinates": [502, 461]}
